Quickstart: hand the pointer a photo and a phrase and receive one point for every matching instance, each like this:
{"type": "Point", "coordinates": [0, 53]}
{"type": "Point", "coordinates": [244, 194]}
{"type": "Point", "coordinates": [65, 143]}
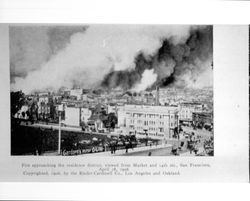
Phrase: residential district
{"type": "Point", "coordinates": [159, 122]}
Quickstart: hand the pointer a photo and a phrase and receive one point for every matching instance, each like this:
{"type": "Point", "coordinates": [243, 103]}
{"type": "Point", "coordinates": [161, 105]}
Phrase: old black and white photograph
{"type": "Point", "coordinates": [124, 100]}
{"type": "Point", "coordinates": [111, 90]}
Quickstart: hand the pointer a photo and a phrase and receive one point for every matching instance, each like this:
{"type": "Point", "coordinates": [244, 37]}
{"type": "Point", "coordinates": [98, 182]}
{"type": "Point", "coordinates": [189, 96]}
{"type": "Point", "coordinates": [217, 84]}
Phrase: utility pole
{"type": "Point", "coordinates": [60, 111]}
{"type": "Point", "coordinates": [59, 134]}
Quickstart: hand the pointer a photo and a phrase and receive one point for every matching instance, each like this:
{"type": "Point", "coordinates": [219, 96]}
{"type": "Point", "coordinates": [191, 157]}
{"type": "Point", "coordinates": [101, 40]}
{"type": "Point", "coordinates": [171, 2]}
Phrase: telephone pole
{"type": "Point", "coordinates": [59, 134]}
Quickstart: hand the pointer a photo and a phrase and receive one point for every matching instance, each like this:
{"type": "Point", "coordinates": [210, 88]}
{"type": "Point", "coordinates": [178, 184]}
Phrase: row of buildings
{"type": "Point", "coordinates": [145, 114]}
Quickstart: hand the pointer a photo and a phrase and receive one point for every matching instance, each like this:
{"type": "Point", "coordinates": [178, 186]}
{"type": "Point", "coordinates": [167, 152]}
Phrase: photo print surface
{"type": "Point", "coordinates": [111, 90]}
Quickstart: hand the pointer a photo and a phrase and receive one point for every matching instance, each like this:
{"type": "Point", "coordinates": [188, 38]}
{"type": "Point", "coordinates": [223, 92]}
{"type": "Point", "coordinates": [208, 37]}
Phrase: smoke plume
{"type": "Point", "coordinates": [109, 56]}
{"type": "Point", "coordinates": [183, 64]}
{"type": "Point", "coordinates": [32, 46]}
{"type": "Point", "coordinates": [148, 78]}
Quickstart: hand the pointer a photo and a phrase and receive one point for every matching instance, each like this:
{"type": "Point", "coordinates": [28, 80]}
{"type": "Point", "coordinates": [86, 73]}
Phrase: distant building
{"type": "Point", "coordinates": [95, 122]}
{"type": "Point", "coordinates": [57, 98]}
{"type": "Point", "coordinates": [88, 98]}
{"type": "Point", "coordinates": [97, 118]}
{"type": "Point", "coordinates": [114, 108]}
{"type": "Point", "coordinates": [167, 96]}
{"type": "Point", "coordinates": [44, 106]}
{"type": "Point", "coordinates": [43, 110]}
{"type": "Point", "coordinates": [85, 115]}
{"type": "Point", "coordinates": [156, 122]}
{"type": "Point", "coordinates": [120, 99]}
{"type": "Point", "coordinates": [43, 94]}
{"type": "Point", "coordinates": [202, 118]}
{"type": "Point", "coordinates": [76, 116]}
{"type": "Point", "coordinates": [186, 111]}
{"type": "Point", "coordinates": [77, 93]}
{"type": "Point", "coordinates": [64, 92]}
{"type": "Point", "coordinates": [43, 99]}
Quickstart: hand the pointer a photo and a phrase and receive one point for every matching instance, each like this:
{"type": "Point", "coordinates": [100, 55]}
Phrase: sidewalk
{"type": "Point", "coordinates": [53, 126]}
{"type": "Point", "coordinates": [122, 152]}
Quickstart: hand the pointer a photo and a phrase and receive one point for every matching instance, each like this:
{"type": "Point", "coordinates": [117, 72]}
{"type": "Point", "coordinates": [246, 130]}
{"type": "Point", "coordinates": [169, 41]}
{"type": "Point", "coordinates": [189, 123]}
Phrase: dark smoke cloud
{"type": "Point", "coordinates": [127, 78]}
{"type": "Point", "coordinates": [174, 64]}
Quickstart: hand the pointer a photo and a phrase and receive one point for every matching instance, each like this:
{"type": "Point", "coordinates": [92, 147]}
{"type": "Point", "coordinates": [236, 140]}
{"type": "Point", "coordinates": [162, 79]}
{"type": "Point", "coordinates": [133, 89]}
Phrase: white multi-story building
{"type": "Point", "coordinates": [156, 122]}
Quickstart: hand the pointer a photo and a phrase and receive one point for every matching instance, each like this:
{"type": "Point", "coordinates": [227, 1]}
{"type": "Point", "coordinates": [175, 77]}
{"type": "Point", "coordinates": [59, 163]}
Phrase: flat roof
{"type": "Point", "coordinates": [151, 109]}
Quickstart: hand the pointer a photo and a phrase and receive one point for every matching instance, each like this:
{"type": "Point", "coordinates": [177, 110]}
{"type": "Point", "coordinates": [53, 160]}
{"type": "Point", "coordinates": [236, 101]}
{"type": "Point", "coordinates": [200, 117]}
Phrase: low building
{"type": "Point", "coordinates": [95, 122]}
{"type": "Point", "coordinates": [76, 116]}
{"type": "Point", "coordinates": [77, 93]}
{"type": "Point", "coordinates": [156, 122]}
{"type": "Point", "coordinates": [97, 118]}
{"type": "Point", "coordinates": [202, 118]}
{"type": "Point", "coordinates": [57, 99]}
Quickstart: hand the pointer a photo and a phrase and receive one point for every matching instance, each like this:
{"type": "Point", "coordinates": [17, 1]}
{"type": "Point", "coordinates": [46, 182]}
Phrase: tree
{"type": "Point", "coordinates": [17, 100]}
{"type": "Point", "coordinates": [112, 120]}
{"type": "Point", "coordinates": [33, 112]}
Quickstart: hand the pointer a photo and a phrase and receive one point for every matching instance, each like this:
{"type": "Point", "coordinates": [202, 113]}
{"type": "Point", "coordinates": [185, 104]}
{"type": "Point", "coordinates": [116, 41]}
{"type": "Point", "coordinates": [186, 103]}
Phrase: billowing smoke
{"type": "Point", "coordinates": [183, 64]}
{"type": "Point", "coordinates": [32, 46]}
{"type": "Point", "coordinates": [111, 56]}
{"type": "Point", "coordinates": [148, 78]}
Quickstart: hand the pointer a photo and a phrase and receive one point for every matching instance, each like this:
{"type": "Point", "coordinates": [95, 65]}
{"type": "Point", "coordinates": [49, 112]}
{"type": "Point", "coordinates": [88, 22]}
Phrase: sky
{"type": "Point", "coordinates": [133, 57]}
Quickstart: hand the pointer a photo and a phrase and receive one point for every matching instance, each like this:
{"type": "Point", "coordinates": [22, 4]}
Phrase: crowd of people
{"type": "Point", "coordinates": [195, 144]}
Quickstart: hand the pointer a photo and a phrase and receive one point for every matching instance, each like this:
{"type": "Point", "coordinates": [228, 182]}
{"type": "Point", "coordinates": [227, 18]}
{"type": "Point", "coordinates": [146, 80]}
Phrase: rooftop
{"type": "Point", "coordinates": [150, 108]}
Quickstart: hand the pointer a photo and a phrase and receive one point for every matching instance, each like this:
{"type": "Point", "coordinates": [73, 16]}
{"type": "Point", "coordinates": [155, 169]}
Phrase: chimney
{"type": "Point", "coordinates": [157, 96]}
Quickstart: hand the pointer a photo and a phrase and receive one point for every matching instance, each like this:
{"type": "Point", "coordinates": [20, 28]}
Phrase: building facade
{"type": "Point", "coordinates": [202, 118]}
{"type": "Point", "coordinates": [72, 116]}
{"type": "Point", "coordinates": [156, 122]}
{"type": "Point", "coordinates": [43, 110]}
{"type": "Point", "coordinates": [77, 93]}
{"type": "Point", "coordinates": [186, 111]}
